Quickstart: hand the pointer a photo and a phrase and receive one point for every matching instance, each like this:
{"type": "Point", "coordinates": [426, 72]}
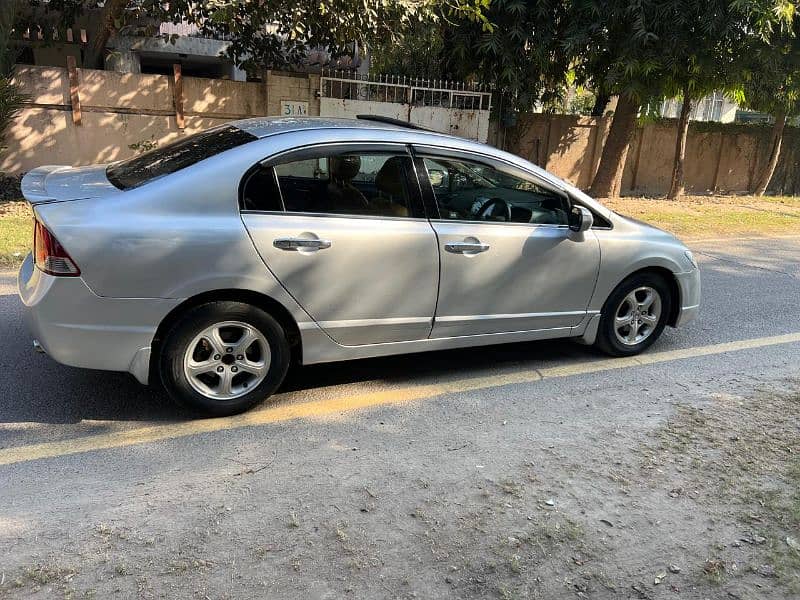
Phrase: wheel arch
{"type": "Point", "coordinates": [262, 301]}
{"type": "Point", "coordinates": [669, 278]}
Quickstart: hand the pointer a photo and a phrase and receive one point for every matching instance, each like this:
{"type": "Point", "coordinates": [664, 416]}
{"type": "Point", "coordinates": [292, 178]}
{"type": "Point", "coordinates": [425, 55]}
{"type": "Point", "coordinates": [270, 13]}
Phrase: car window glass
{"type": "Point", "coordinates": [370, 184]}
{"type": "Point", "coordinates": [471, 191]}
{"type": "Point", "coordinates": [173, 157]}
{"type": "Point", "coordinates": [313, 168]}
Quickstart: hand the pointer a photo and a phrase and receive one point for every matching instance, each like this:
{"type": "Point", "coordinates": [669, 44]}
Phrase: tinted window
{"type": "Point", "coordinates": [372, 184]}
{"type": "Point", "coordinates": [175, 156]}
{"type": "Point", "coordinates": [471, 191]}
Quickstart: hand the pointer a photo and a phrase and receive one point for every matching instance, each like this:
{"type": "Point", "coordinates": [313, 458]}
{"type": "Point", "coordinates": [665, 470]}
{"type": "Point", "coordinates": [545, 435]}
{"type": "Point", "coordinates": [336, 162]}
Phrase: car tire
{"type": "Point", "coordinates": [617, 339]}
{"type": "Point", "coordinates": [205, 339]}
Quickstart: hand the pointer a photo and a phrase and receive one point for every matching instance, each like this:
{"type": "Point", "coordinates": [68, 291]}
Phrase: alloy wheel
{"type": "Point", "coordinates": [637, 316]}
{"type": "Point", "coordinates": [227, 360]}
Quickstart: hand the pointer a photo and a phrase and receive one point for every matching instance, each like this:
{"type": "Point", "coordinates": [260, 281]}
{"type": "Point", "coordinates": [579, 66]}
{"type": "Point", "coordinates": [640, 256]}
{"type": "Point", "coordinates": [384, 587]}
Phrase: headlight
{"type": "Point", "coordinates": [690, 257]}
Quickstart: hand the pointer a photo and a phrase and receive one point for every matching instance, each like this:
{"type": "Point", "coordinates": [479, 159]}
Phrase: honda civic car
{"type": "Point", "coordinates": [210, 265]}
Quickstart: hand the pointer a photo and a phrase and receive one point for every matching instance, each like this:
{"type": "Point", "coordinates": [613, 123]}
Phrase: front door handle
{"type": "Point", "coordinates": [466, 247]}
{"type": "Point", "coordinates": [301, 244]}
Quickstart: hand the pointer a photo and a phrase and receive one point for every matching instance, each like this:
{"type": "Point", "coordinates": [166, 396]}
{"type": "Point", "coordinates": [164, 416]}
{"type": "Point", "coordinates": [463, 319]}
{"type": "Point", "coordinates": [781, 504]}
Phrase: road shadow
{"type": "Point", "coordinates": [36, 389]}
{"type": "Point", "coordinates": [441, 364]}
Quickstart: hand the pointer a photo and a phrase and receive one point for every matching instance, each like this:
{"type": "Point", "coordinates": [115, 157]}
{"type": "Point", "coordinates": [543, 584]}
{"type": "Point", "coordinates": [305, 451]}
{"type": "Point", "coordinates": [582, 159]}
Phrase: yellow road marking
{"type": "Point", "coordinates": [322, 408]}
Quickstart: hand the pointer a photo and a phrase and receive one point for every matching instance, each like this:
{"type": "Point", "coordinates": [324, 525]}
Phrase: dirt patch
{"type": "Point", "coordinates": [739, 458]}
{"type": "Point", "coordinates": [705, 504]}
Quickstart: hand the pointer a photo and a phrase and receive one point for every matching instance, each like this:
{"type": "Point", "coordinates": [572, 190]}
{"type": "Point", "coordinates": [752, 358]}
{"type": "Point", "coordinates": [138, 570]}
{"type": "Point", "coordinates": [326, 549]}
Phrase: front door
{"type": "Point", "coordinates": [509, 262]}
{"type": "Point", "coordinates": [344, 232]}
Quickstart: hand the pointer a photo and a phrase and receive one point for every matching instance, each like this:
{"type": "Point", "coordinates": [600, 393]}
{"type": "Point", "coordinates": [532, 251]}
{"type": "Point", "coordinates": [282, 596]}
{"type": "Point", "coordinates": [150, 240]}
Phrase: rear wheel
{"type": "Point", "coordinates": [634, 315]}
{"type": "Point", "coordinates": [221, 358]}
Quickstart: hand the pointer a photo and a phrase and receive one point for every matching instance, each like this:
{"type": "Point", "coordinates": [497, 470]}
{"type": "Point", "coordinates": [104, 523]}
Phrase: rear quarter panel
{"type": "Point", "coordinates": [174, 237]}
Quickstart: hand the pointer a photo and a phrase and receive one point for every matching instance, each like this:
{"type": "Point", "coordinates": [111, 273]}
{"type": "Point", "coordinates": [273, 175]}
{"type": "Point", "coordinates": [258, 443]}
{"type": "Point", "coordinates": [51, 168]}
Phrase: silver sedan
{"type": "Point", "coordinates": [211, 264]}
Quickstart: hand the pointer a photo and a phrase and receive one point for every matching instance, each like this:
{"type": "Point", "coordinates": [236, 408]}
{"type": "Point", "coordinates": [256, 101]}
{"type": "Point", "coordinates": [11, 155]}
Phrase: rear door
{"type": "Point", "coordinates": [343, 229]}
{"type": "Point", "coordinates": [509, 262]}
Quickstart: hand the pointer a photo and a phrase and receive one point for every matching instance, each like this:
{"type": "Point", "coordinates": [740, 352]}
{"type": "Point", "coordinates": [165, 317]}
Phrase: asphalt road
{"type": "Point", "coordinates": [106, 488]}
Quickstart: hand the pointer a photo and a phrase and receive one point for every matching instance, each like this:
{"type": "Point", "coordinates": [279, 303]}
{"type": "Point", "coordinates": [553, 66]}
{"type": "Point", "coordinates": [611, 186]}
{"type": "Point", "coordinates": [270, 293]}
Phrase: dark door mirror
{"type": "Point", "coordinates": [580, 219]}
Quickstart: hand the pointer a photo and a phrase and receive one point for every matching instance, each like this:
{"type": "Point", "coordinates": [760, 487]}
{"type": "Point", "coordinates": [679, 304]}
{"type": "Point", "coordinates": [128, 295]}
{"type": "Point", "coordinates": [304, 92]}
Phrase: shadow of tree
{"type": "Point", "coordinates": [118, 110]}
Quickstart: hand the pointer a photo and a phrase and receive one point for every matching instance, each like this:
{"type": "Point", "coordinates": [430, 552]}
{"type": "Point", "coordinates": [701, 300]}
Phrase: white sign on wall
{"type": "Point", "coordinates": [294, 108]}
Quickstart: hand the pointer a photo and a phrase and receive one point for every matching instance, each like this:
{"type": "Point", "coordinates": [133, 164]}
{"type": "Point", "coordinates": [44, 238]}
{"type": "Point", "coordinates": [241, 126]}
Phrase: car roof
{"type": "Point", "coordinates": [266, 126]}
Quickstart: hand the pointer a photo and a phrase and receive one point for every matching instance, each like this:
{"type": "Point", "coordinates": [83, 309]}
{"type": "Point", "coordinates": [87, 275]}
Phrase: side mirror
{"type": "Point", "coordinates": [580, 219]}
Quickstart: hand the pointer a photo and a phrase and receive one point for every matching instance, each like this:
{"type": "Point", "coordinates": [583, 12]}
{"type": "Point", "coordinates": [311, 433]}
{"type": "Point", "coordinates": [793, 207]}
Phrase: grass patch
{"type": "Point", "coordinates": [16, 233]}
{"type": "Point", "coordinates": [715, 216]}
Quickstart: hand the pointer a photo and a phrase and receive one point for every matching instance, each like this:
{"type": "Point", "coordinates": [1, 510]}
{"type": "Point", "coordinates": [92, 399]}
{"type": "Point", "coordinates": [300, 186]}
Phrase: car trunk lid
{"type": "Point", "coordinates": [59, 183]}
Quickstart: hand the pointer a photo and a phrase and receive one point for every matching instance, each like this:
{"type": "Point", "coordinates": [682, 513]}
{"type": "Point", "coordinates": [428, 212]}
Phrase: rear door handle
{"type": "Point", "coordinates": [301, 244]}
{"type": "Point", "coordinates": [466, 247]}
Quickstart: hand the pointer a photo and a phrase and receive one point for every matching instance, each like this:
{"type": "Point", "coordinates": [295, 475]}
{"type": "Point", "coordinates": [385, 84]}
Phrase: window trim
{"type": "Point", "coordinates": [418, 211]}
{"type": "Point", "coordinates": [429, 195]}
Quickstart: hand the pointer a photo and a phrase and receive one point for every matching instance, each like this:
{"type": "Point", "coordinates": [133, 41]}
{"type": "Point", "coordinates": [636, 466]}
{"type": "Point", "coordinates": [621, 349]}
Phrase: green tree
{"type": "Point", "coordinates": [771, 84]}
{"type": "Point", "coordinates": [644, 50]}
{"type": "Point", "coordinates": [263, 33]}
{"type": "Point", "coordinates": [421, 53]}
{"type": "Point", "coordinates": [696, 58]}
{"type": "Point", "coordinates": [11, 98]}
{"type": "Point", "coordinates": [521, 55]}
{"type": "Point", "coordinates": [277, 33]}
{"type": "Point", "coordinates": [705, 53]}
{"type": "Point", "coordinates": [614, 45]}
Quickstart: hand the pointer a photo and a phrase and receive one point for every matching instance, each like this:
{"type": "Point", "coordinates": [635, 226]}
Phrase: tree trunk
{"type": "Point", "coordinates": [600, 103]}
{"type": "Point", "coordinates": [608, 180]}
{"type": "Point", "coordinates": [677, 186]}
{"type": "Point", "coordinates": [112, 12]}
{"type": "Point", "coordinates": [774, 154]}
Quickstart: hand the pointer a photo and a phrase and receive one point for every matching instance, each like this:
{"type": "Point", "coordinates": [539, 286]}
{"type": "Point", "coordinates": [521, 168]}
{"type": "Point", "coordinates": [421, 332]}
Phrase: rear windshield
{"type": "Point", "coordinates": [173, 157]}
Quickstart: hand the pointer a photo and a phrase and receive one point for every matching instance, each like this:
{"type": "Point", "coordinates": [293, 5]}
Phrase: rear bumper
{"type": "Point", "coordinates": [689, 284]}
{"type": "Point", "coordinates": [78, 328]}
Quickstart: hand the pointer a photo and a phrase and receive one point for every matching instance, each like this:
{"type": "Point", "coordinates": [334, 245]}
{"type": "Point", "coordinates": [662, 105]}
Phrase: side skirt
{"type": "Point", "coordinates": [319, 348]}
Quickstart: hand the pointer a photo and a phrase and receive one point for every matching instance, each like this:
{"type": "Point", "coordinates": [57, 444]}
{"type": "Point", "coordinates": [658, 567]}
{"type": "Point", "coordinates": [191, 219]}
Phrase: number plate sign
{"type": "Point", "coordinates": [294, 108]}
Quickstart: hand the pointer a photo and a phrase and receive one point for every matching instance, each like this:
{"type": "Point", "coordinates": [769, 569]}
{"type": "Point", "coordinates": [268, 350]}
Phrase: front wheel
{"type": "Point", "coordinates": [634, 315]}
{"type": "Point", "coordinates": [221, 358]}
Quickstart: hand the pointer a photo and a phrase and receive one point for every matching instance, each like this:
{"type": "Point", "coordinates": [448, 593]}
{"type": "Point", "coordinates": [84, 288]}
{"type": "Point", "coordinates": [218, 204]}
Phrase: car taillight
{"type": "Point", "coordinates": [50, 255]}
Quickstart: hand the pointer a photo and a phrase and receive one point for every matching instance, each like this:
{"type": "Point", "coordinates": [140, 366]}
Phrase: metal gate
{"type": "Point", "coordinates": [447, 106]}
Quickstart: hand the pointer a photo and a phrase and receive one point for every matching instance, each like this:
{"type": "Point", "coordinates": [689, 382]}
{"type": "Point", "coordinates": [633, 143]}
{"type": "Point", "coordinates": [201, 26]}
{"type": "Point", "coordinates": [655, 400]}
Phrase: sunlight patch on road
{"type": "Point", "coordinates": [353, 402]}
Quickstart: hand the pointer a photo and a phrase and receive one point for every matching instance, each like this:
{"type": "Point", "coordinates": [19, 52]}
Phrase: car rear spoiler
{"type": "Point", "coordinates": [34, 188]}
{"type": "Point", "coordinates": [60, 183]}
